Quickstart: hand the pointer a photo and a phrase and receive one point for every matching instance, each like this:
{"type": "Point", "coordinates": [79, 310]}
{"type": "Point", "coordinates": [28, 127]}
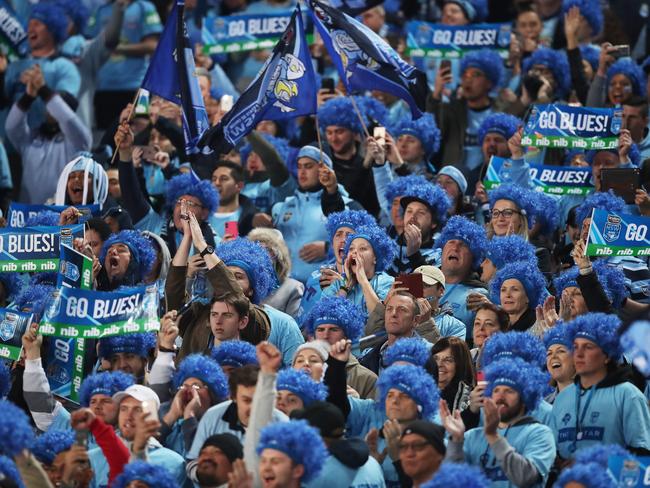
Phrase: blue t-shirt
{"type": "Point", "coordinates": [473, 157]}
{"type": "Point", "coordinates": [218, 220]}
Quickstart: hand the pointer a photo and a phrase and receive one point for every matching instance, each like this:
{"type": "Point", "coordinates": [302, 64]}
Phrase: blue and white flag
{"type": "Point", "coordinates": [354, 7]}
{"type": "Point", "coordinates": [171, 75]}
{"type": "Point", "coordinates": [284, 88]}
{"type": "Point", "coordinates": [365, 61]}
{"type": "Point", "coordinates": [612, 234]}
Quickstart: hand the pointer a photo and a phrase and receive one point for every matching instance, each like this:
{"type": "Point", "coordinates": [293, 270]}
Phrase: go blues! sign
{"type": "Point", "coordinates": [444, 41]}
{"type": "Point", "coordinates": [13, 325]}
{"type": "Point", "coordinates": [563, 126]}
{"type": "Point", "coordinates": [612, 234]}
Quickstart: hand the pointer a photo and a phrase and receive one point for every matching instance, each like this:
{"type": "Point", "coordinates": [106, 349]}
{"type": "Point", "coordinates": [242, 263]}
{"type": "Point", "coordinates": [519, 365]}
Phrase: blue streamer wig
{"type": "Point", "coordinates": [413, 381]}
{"type": "Point", "coordinates": [15, 430]}
{"type": "Point", "coordinates": [472, 234]}
{"type": "Point", "coordinates": [590, 10]}
{"type": "Point", "coordinates": [205, 369]}
{"type": "Point", "coordinates": [412, 350]}
{"type": "Point", "coordinates": [590, 475]}
{"type": "Point", "coordinates": [500, 123]}
{"type": "Point", "coordinates": [45, 218]}
{"type": "Point", "coordinates": [599, 328]}
{"type": "Point", "coordinates": [513, 344]}
{"type": "Point", "coordinates": [106, 383]}
{"type": "Point", "coordinates": [458, 474]}
{"type": "Point", "coordinates": [508, 249]}
{"type": "Point", "coordinates": [528, 380]}
{"type": "Point", "coordinates": [187, 184]}
{"type": "Point", "coordinates": [142, 250]}
{"type": "Point", "coordinates": [139, 344]}
{"type": "Point", "coordinates": [554, 60]}
{"type": "Point", "coordinates": [528, 274]}
{"type": "Point", "coordinates": [424, 129]}
{"type": "Point", "coordinates": [382, 245]}
{"type": "Point", "coordinates": [488, 61]}
{"type": "Point", "coordinates": [280, 144]}
{"type": "Point", "coordinates": [154, 476]}
{"type": "Point", "coordinates": [522, 197]}
{"type": "Point", "coordinates": [348, 218]}
{"type": "Point", "coordinates": [433, 196]}
{"type": "Point", "coordinates": [337, 311]}
{"type": "Point", "coordinates": [399, 186]}
{"type": "Point", "coordinates": [300, 383]}
{"type": "Point", "coordinates": [632, 71]}
{"type": "Point", "coordinates": [48, 445]}
{"type": "Point", "coordinates": [235, 353]}
{"type": "Point", "coordinates": [9, 469]}
{"type": "Point", "coordinates": [601, 201]}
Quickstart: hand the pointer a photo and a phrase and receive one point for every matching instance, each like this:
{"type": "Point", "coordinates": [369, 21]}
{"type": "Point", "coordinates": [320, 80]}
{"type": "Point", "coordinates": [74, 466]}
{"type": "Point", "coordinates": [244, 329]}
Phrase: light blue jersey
{"type": "Point", "coordinates": [285, 334]}
{"type": "Point", "coordinates": [456, 297]}
{"type": "Point", "coordinates": [380, 283]}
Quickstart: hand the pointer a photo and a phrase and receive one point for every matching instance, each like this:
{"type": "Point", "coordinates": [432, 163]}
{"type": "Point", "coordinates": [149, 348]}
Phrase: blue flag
{"type": "Point", "coordinates": [354, 7]}
{"type": "Point", "coordinates": [171, 75]}
{"type": "Point", "coordinates": [284, 88]}
{"type": "Point", "coordinates": [365, 61]}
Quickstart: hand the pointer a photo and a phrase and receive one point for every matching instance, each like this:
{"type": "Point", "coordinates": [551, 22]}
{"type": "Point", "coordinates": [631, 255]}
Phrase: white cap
{"type": "Point", "coordinates": [140, 393]}
{"type": "Point", "coordinates": [431, 275]}
{"type": "Point", "coordinates": [322, 348]}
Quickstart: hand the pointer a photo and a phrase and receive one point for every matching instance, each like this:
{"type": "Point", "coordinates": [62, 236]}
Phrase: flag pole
{"type": "Point", "coordinates": [128, 119]}
{"type": "Point", "coordinates": [356, 109]}
{"type": "Point", "coordinates": [320, 142]}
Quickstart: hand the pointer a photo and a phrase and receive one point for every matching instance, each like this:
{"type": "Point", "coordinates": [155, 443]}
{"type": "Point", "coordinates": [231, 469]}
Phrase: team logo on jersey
{"type": "Point", "coordinates": [287, 216]}
{"type": "Point", "coordinates": [594, 417]}
{"type": "Point", "coordinates": [566, 419]}
{"type": "Point", "coordinates": [612, 228]}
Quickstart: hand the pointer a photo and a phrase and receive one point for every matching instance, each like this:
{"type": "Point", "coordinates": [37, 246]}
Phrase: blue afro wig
{"type": "Point", "coordinates": [298, 440]}
{"type": "Point", "coordinates": [413, 381]}
{"type": "Point", "coordinates": [472, 234]}
{"type": "Point", "coordinates": [9, 469]}
{"type": "Point", "coordinates": [599, 328]}
{"type": "Point", "coordinates": [45, 218]}
{"type": "Point", "coordinates": [54, 18]}
{"type": "Point", "coordinates": [76, 11]}
{"type": "Point", "coordinates": [601, 201]}
{"type": "Point", "coordinates": [372, 110]}
{"type": "Point", "coordinates": [590, 10]}
{"type": "Point", "coordinates": [591, 54]}
{"type": "Point", "coordinates": [554, 60]}
{"type": "Point", "coordinates": [336, 311]}
{"type": "Point", "coordinates": [488, 61]}
{"type": "Point", "coordinates": [107, 383]}
{"type": "Point", "coordinates": [139, 344]}
{"type": "Point", "coordinates": [383, 246]}
{"type": "Point", "coordinates": [300, 383]}
{"type": "Point", "coordinates": [527, 379]}
{"type": "Point", "coordinates": [255, 261]}
{"type": "Point", "coordinates": [153, 476]}
{"type": "Point", "coordinates": [546, 212]}
{"type": "Point", "coordinates": [400, 185]}
{"type": "Point", "coordinates": [5, 380]}
{"type": "Point", "coordinates": [235, 353]}
{"type": "Point", "coordinates": [508, 249]}
{"type": "Point", "coordinates": [348, 218]}
{"type": "Point", "coordinates": [600, 454]}
{"type": "Point", "coordinates": [34, 299]}
{"type": "Point", "coordinates": [500, 123]}
{"type": "Point", "coordinates": [187, 184]}
{"type": "Point", "coordinates": [430, 195]}
{"type": "Point", "coordinates": [632, 71]}
{"type": "Point", "coordinates": [412, 350]}
{"type": "Point", "coordinates": [281, 146]}
{"type": "Point", "coordinates": [142, 251]}
{"type": "Point", "coordinates": [16, 432]}
{"type": "Point", "coordinates": [339, 112]}
{"type": "Point", "coordinates": [591, 475]}
{"type": "Point", "coordinates": [13, 285]}
{"type": "Point", "coordinates": [528, 274]}
{"type": "Point", "coordinates": [424, 129]}
{"type": "Point", "coordinates": [520, 196]}
{"type": "Point", "coordinates": [53, 442]}
{"type": "Point", "coordinates": [514, 344]}
{"type": "Point", "coordinates": [475, 10]}
{"type": "Point", "coordinates": [458, 474]}
{"type": "Point", "coordinates": [559, 334]}
{"type": "Point", "coordinates": [205, 369]}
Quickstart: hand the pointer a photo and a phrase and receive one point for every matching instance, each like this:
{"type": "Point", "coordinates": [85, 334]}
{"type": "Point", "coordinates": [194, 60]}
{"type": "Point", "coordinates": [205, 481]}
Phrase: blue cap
{"type": "Point", "coordinates": [456, 175]}
{"type": "Point", "coordinates": [315, 154]}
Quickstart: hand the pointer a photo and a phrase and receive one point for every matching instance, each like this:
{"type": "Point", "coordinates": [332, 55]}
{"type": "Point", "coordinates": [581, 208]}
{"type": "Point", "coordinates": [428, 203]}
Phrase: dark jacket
{"type": "Point", "coordinates": [525, 322]}
{"type": "Point", "coordinates": [451, 118]}
{"type": "Point", "coordinates": [248, 211]}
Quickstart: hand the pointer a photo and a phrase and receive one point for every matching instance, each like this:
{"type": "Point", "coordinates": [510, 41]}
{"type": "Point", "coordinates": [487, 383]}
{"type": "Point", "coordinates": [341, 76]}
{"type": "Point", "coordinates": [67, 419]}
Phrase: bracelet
{"type": "Point", "coordinates": [346, 289]}
{"type": "Point", "coordinates": [166, 349]}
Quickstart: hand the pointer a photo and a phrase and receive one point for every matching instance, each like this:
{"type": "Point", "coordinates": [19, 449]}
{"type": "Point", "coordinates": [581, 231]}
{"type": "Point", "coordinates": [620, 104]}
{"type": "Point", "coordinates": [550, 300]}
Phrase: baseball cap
{"type": "Point", "coordinates": [228, 443]}
{"type": "Point", "coordinates": [431, 275]}
{"type": "Point", "coordinates": [140, 393]}
{"type": "Point", "coordinates": [434, 434]}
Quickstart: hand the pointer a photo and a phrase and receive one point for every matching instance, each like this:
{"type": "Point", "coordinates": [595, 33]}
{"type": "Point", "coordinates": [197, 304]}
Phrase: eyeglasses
{"type": "Point", "coordinates": [416, 446]}
{"type": "Point", "coordinates": [444, 360]}
{"type": "Point", "coordinates": [189, 203]}
{"type": "Point", "coordinates": [507, 213]}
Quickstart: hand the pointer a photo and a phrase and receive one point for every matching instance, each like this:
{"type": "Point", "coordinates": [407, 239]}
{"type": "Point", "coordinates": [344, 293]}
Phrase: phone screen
{"type": "Point", "coordinates": [231, 228]}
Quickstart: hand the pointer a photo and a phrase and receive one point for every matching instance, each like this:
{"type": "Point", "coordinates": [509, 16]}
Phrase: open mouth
{"type": "Point", "coordinates": [113, 263]}
{"type": "Point", "coordinates": [268, 479]}
{"type": "Point", "coordinates": [341, 252]}
{"type": "Point", "coordinates": [556, 365]}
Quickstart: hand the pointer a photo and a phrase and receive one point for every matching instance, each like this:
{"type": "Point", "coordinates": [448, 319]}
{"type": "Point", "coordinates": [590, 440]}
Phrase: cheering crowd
{"type": "Point", "coordinates": [343, 299]}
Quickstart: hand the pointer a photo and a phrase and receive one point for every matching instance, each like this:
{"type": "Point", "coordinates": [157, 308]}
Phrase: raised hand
{"type": "Point", "coordinates": [453, 424]}
{"type": "Point", "coordinates": [269, 357]}
{"type": "Point", "coordinates": [32, 342]}
{"type": "Point", "coordinates": [341, 350]}
{"type": "Point", "coordinates": [82, 418]}
{"type": "Point", "coordinates": [168, 329]}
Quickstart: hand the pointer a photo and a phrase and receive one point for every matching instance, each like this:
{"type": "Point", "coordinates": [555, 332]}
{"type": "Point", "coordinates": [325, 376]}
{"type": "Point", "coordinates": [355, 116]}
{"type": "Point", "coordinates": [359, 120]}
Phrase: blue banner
{"type": "Point", "coordinates": [446, 41]}
{"type": "Point", "coordinates": [85, 314]}
{"type": "Point", "coordinates": [569, 127]}
{"type": "Point", "coordinates": [612, 234]}
{"type": "Point", "coordinates": [629, 472]}
{"type": "Point", "coordinates": [13, 325]}
{"type": "Point", "coordinates": [75, 269]}
{"type": "Point", "coordinates": [555, 180]}
{"type": "Point", "coordinates": [34, 249]}
{"type": "Point", "coordinates": [12, 32]}
{"type": "Point", "coordinates": [20, 212]}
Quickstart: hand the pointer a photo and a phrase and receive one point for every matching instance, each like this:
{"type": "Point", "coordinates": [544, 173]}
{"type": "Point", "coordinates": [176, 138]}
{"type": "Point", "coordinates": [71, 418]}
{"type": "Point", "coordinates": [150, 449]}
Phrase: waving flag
{"type": "Point", "coordinates": [354, 7]}
{"type": "Point", "coordinates": [365, 61]}
{"type": "Point", "coordinates": [284, 88]}
{"type": "Point", "coordinates": [171, 75]}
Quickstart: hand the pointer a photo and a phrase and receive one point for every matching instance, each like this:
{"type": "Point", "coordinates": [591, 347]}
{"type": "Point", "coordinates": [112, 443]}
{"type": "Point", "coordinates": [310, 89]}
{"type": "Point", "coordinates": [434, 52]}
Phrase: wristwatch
{"type": "Point", "coordinates": [208, 250]}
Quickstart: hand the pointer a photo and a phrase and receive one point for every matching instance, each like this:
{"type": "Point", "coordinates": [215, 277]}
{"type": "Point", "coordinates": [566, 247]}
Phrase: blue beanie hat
{"type": "Point", "coordinates": [16, 432]}
{"type": "Point", "coordinates": [205, 369]}
{"type": "Point", "coordinates": [399, 186]}
{"type": "Point", "coordinates": [508, 345]}
{"type": "Point", "coordinates": [300, 441]}
{"type": "Point", "coordinates": [508, 249]}
{"type": "Point", "coordinates": [336, 311]}
{"type": "Point", "coordinates": [600, 454]}
{"type": "Point", "coordinates": [591, 54]}
{"type": "Point", "coordinates": [412, 350]}
{"type": "Point", "coordinates": [424, 129]}
{"type": "Point", "coordinates": [76, 12]}
{"type": "Point", "coordinates": [34, 298]}
{"type": "Point", "coordinates": [347, 218]}
{"type": "Point", "coordinates": [5, 380]}
{"type": "Point", "coordinates": [632, 71]}
{"type": "Point", "coordinates": [315, 154]}
{"type": "Point", "coordinates": [475, 10]}
{"type": "Point", "coordinates": [601, 201]}
{"type": "Point", "coordinates": [457, 474]}
{"type": "Point", "coordinates": [520, 196]}
{"type": "Point", "coordinates": [488, 61]}
{"type": "Point", "coordinates": [339, 112]}
{"type": "Point", "coordinates": [235, 353]}
{"type": "Point", "coordinates": [13, 285]}
{"type": "Point", "coordinates": [560, 333]}
{"type": "Point", "coordinates": [472, 234]}
{"type": "Point", "coordinates": [45, 218]}
{"type": "Point", "coordinates": [382, 245]}
{"type": "Point", "coordinates": [153, 476]}
{"type": "Point", "coordinates": [590, 475]}
{"type": "Point", "coordinates": [8, 469]}
{"type": "Point", "coordinates": [599, 328]}
{"type": "Point", "coordinates": [554, 60]}
{"type": "Point", "coordinates": [300, 383]}
{"type": "Point", "coordinates": [139, 344]}
{"type": "Point", "coordinates": [255, 261]}
{"type": "Point", "coordinates": [500, 123]}
{"type": "Point", "coordinates": [280, 144]}
{"type": "Point", "coordinates": [545, 211]}
{"type": "Point", "coordinates": [106, 383]}
{"type": "Point", "coordinates": [53, 442]}
{"type": "Point", "coordinates": [430, 195]}
{"type": "Point", "coordinates": [188, 184]}
{"type": "Point", "coordinates": [528, 274]}
{"type": "Point", "coordinates": [54, 19]}
{"type": "Point", "coordinates": [415, 382]}
{"type": "Point", "coordinates": [456, 175]}
{"type": "Point", "coordinates": [590, 10]}
{"type": "Point", "coordinates": [142, 251]}
{"type": "Point", "coordinates": [527, 379]}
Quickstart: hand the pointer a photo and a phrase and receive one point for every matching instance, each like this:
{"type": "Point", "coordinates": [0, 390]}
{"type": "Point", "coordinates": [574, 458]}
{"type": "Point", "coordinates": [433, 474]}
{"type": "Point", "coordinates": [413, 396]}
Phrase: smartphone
{"type": "Point", "coordinates": [480, 378]}
{"type": "Point", "coordinates": [413, 282]}
{"type": "Point", "coordinates": [232, 229]}
{"type": "Point", "coordinates": [226, 103]}
{"type": "Point", "coordinates": [379, 133]}
{"type": "Point", "coordinates": [327, 84]}
{"type": "Point", "coordinates": [620, 51]}
{"type": "Point", "coordinates": [81, 438]}
{"type": "Point", "coordinates": [150, 408]}
{"type": "Point", "coordinates": [445, 64]}
{"type": "Point", "coordinates": [623, 181]}
{"type": "Point", "coordinates": [148, 153]}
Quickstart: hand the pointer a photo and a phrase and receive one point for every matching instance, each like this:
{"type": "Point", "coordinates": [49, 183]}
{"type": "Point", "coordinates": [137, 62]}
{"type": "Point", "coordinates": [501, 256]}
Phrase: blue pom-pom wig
{"type": "Point", "coordinates": [488, 61]}
{"type": "Point", "coordinates": [560, 333]}
{"type": "Point", "coordinates": [187, 184]}
{"type": "Point", "coordinates": [601, 201]}
{"type": "Point", "coordinates": [348, 218]}
{"type": "Point", "coordinates": [280, 144]}
{"type": "Point", "coordinates": [399, 186]}
{"type": "Point", "coordinates": [472, 234]}
{"type": "Point", "coordinates": [632, 71]}
{"type": "Point", "coordinates": [599, 328]}
{"type": "Point", "coordinates": [424, 129]}
{"type": "Point", "coordinates": [499, 123]}
{"type": "Point", "coordinates": [154, 476]}
{"type": "Point", "coordinates": [430, 195]}
{"type": "Point", "coordinates": [9, 470]}
{"type": "Point", "coordinates": [300, 383]}
{"type": "Point", "coordinates": [522, 197]}
{"type": "Point", "coordinates": [54, 18]}
{"type": "Point", "coordinates": [528, 380]}
{"type": "Point", "coordinates": [458, 474]}
{"type": "Point", "coordinates": [412, 350]}
{"type": "Point", "coordinates": [16, 432]}
{"type": "Point", "coordinates": [336, 311]}
{"type": "Point", "coordinates": [554, 60]}
{"type": "Point", "coordinates": [48, 445]}
{"type": "Point", "coordinates": [339, 112]}
{"type": "Point", "coordinates": [13, 285]}
{"type": "Point", "coordinates": [590, 10]}
{"type": "Point", "coordinates": [591, 475]}
{"type": "Point", "coordinates": [205, 369]}
{"type": "Point", "coordinates": [528, 274]}
{"type": "Point", "coordinates": [508, 249]}
{"type": "Point", "coordinates": [413, 381]}
{"type": "Point", "coordinates": [106, 383]}
{"type": "Point", "coordinates": [143, 255]}
{"type": "Point", "coordinates": [235, 354]}
{"type": "Point", "coordinates": [513, 344]}
{"type": "Point", "coordinates": [139, 344]}
{"type": "Point", "coordinates": [383, 246]}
